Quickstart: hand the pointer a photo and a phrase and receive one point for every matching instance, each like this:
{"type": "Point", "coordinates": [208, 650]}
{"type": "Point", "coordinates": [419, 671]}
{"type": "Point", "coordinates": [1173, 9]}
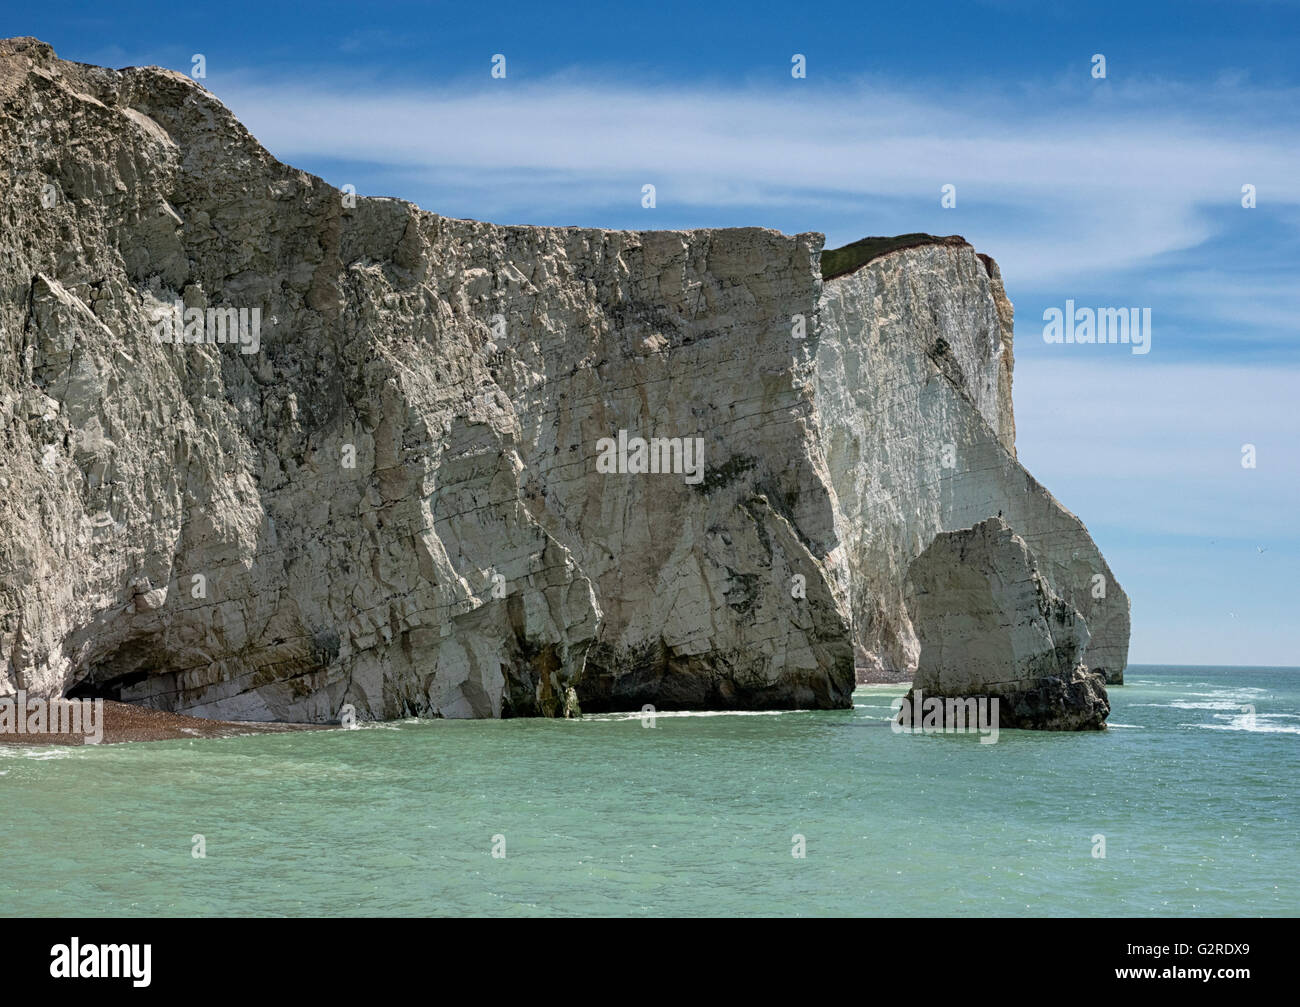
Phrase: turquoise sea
{"type": "Point", "coordinates": [1196, 798]}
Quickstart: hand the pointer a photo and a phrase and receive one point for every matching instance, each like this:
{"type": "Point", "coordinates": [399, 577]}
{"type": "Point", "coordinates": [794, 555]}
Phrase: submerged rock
{"type": "Point", "coordinates": [991, 626]}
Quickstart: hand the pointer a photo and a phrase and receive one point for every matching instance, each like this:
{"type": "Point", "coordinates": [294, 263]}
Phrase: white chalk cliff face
{"type": "Point", "coordinates": [913, 383]}
{"type": "Point", "coordinates": [388, 495]}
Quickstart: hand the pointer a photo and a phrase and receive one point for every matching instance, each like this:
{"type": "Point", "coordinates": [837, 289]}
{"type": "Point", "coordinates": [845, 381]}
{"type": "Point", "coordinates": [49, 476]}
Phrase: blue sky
{"type": "Point", "coordinates": [1116, 192]}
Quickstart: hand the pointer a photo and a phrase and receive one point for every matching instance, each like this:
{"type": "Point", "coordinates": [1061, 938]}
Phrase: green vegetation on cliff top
{"type": "Point", "coordinates": [838, 261]}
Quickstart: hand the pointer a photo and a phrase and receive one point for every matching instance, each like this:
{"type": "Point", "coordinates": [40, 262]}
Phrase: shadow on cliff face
{"type": "Point", "coordinates": [615, 681]}
{"type": "Point", "coordinates": [110, 689]}
{"type": "Point", "coordinates": [115, 676]}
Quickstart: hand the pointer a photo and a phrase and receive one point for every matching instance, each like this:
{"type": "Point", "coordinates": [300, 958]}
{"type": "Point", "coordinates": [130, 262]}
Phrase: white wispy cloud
{"type": "Point", "coordinates": [1056, 183]}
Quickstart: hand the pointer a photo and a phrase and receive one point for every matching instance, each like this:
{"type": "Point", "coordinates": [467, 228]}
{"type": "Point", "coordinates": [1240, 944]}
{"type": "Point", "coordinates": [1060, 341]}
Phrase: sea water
{"type": "Point", "coordinates": [1191, 796]}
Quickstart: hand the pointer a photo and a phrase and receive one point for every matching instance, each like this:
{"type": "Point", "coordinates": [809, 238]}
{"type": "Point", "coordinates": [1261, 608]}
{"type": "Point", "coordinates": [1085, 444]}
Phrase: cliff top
{"type": "Point", "coordinates": [21, 55]}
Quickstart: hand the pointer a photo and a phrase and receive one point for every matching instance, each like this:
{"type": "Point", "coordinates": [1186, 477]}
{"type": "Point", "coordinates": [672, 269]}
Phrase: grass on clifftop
{"type": "Point", "coordinates": [838, 261]}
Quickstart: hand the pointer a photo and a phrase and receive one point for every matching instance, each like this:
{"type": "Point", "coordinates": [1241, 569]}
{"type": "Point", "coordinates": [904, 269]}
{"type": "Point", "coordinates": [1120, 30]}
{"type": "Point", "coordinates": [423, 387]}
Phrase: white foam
{"type": "Point", "coordinates": [1256, 728]}
{"type": "Point", "coordinates": [1258, 723]}
{"type": "Point", "coordinates": [637, 715]}
{"type": "Point", "coordinates": [44, 754]}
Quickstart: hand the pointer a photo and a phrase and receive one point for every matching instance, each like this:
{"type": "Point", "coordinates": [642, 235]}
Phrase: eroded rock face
{"type": "Point", "coordinates": [393, 503]}
{"type": "Point", "coordinates": [990, 625]}
{"type": "Point", "coordinates": [913, 384]}
{"type": "Point", "coordinates": [390, 497]}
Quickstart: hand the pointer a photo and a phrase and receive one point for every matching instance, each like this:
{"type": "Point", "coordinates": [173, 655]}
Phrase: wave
{"type": "Point", "coordinates": [637, 714]}
{"type": "Point", "coordinates": [1256, 728]}
{"type": "Point", "coordinates": [39, 754]}
{"type": "Point", "coordinates": [1259, 723]}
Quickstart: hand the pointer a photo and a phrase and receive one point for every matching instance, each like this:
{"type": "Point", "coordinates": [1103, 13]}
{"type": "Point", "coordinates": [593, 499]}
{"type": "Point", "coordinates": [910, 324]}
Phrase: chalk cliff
{"type": "Point", "coordinates": [387, 494]}
{"type": "Point", "coordinates": [913, 389]}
